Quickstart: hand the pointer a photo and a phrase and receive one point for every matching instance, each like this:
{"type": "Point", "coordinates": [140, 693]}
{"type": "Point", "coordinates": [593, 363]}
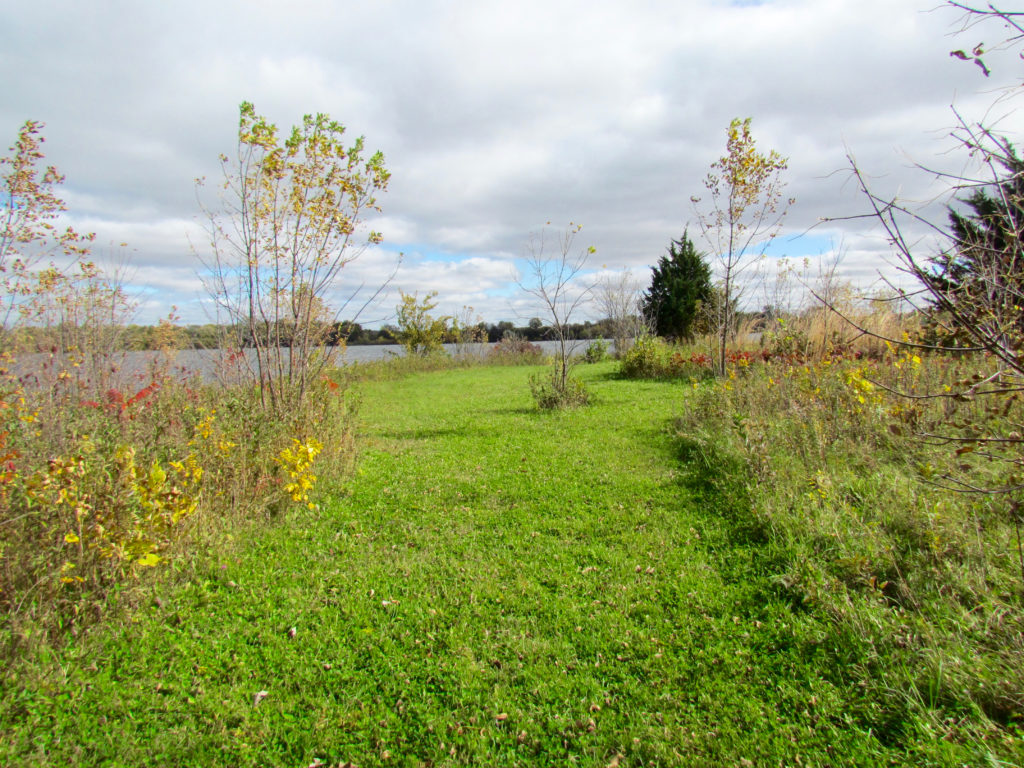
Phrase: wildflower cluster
{"type": "Point", "coordinates": [297, 463]}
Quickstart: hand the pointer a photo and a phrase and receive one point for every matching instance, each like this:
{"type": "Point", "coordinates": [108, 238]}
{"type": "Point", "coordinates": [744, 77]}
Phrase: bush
{"type": "Point", "coordinates": [646, 359]}
{"type": "Point", "coordinates": [99, 487]}
{"type": "Point", "coordinates": [513, 349]}
{"type": "Point", "coordinates": [551, 392]}
{"type": "Point", "coordinates": [652, 358]}
{"type": "Point", "coordinates": [597, 351]}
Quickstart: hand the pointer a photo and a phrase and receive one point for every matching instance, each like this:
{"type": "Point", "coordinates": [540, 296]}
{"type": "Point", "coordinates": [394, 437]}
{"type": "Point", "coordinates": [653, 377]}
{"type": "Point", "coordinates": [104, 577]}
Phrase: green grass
{"type": "Point", "coordinates": [495, 586]}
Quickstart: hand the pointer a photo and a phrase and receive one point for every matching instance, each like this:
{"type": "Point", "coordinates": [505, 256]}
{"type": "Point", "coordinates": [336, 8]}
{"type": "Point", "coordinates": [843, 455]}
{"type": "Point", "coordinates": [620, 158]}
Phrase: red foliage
{"type": "Point", "coordinates": [116, 403]}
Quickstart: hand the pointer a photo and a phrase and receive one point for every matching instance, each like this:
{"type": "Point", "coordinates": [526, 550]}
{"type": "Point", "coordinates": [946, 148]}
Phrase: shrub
{"type": "Point", "coordinates": [513, 349]}
{"type": "Point", "coordinates": [99, 487]}
{"type": "Point", "coordinates": [646, 359]}
{"type": "Point", "coordinates": [551, 391]}
{"type": "Point", "coordinates": [597, 351]}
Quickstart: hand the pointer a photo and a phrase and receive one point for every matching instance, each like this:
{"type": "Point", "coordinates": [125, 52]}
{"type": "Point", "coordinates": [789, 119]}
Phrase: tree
{"type": "Point", "coordinates": [982, 273]}
{"type": "Point", "coordinates": [419, 332]}
{"type": "Point", "coordinates": [680, 289]}
{"type": "Point", "coordinates": [619, 301]}
{"type": "Point", "coordinates": [973, 15]}
{"type": "Point", "coordinates": [53, 298]}
{"type": "Point", "coordinates": [745, 211]}
{"type": "Point", "coordinates": [30, 235]}
{"type": "Point", "coordinates": [289, 223]}
{"type": "Point", "coordinates": [467, 331]}
{"type": "Point", "coordinates": [553, 272]}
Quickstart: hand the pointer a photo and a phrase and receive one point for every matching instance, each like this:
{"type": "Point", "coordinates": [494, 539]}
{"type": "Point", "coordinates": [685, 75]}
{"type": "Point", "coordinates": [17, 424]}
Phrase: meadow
{"type": "Point", "coordinates": [687, 571]}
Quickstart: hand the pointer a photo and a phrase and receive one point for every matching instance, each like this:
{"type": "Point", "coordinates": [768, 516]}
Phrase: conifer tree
{"type": "Point", "coordinates": [981, 277]}
{"type": "Point", "coordinates": [680, 286]}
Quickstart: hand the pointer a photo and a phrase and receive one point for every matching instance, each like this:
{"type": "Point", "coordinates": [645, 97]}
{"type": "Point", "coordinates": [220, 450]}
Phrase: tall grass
{"type": "Point", "coordinates": [828, 469]}
{"type": "Point", "coordinates": [808, 446]}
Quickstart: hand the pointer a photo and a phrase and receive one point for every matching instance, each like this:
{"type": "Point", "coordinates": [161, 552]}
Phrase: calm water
{"type": "Point", "coordinates": [209, 363]}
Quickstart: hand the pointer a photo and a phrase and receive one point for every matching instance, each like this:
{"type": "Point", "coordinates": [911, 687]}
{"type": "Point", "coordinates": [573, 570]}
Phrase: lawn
{"type": "Point", "coordinates": [494, 586]}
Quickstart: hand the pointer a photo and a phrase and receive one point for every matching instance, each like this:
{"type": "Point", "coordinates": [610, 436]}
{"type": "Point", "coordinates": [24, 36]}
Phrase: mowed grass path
{"type": "Point", "coordinates": [496, 586]}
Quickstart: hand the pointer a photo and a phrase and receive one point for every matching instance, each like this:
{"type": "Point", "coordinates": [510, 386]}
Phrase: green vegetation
{"type": "Point", "coordinates": [415, 563]}
{"type": "Point", "coordinates": [284, 229]}
{"type": "Point", "coordinates": [418, 331]}
{"type": "Point", "coordinates": [497, 585]}
{"type": "Point", "coordinates": [680, 291]}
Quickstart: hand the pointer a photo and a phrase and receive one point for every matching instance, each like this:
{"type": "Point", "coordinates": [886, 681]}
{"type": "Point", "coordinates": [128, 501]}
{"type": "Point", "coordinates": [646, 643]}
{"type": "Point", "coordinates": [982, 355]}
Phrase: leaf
{"type": "Point", "coordinates": [149, 561]}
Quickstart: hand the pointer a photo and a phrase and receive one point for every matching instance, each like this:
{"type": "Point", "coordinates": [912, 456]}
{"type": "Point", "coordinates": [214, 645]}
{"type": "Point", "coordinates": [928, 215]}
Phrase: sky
{"type": "Point", "coordinates": [496, 118]}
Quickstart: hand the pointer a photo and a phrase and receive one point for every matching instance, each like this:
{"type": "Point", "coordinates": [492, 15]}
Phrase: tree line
{"type": "Point", "coordinates": [139, 337]}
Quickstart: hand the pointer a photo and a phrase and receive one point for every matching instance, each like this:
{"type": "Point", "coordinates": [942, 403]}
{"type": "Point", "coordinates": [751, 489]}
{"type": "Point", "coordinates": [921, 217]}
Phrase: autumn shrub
{"type": "Point", "coordinates": [647, 358]}
{"type": "Point", "coordinates": [652, 358]}
{"type": "Point", "coordinates": [829, 469]}
{"type": "Point", "coordinates": [97, 488]}
{"type": "Point", "coordinates": [108, 474]}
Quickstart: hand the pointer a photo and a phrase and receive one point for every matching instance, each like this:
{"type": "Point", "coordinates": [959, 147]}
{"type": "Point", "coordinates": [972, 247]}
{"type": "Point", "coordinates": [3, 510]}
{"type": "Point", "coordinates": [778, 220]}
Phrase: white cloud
{"type": "Point", "coordinates": [495, 117]}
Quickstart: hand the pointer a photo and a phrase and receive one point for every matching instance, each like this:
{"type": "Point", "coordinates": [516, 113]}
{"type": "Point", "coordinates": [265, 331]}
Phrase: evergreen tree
{"type": "Point", "coordinates": [981, 278]}
{"type": "Point", "coordinates": [680, 286]}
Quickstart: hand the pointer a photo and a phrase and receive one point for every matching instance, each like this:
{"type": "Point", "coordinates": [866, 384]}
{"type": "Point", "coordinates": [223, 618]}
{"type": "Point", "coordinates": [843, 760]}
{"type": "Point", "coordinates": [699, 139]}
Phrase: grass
{"type": "Point", "coordinates": [494, 586]}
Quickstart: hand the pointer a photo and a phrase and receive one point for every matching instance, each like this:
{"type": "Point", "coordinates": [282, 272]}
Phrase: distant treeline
{"type": "Point", "coordinates": [211, 336]}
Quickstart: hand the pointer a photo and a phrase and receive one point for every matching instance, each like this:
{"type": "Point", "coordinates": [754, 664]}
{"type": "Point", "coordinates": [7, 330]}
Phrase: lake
{"type": "Point", "coordinates": [136, 366]}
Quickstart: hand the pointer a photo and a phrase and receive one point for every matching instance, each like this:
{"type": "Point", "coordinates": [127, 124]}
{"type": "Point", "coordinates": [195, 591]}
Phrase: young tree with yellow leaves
{"type": "Point", "coordinates": [30, 235]}
{"type": "Point", "coordinates": [745, 211]}
{"type": "Point", "coordinates": [289, 225]}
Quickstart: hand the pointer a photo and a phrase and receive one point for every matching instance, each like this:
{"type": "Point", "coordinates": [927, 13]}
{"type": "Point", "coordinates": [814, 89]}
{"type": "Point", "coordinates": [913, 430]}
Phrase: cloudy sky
{"type": "Point", "coordinates": [495, 117]}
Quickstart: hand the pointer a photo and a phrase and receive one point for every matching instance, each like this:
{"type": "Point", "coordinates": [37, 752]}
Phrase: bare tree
{"type": "Point", "coordinates": [553, 276]}
{"type": "Point", "coordinates": [974, 15]}
{"type": "Point", "coordinates": [619, 299]}
{"type": "Point", "coordinates": [468, 331]}
{"type": "Point", "coordinates": [970, 292]}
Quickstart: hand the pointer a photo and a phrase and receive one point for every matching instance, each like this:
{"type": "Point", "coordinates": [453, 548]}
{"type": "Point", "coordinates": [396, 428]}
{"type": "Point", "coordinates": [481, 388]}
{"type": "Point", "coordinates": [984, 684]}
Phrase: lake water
{"type": "Point", "coordinates": [134, 367]}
